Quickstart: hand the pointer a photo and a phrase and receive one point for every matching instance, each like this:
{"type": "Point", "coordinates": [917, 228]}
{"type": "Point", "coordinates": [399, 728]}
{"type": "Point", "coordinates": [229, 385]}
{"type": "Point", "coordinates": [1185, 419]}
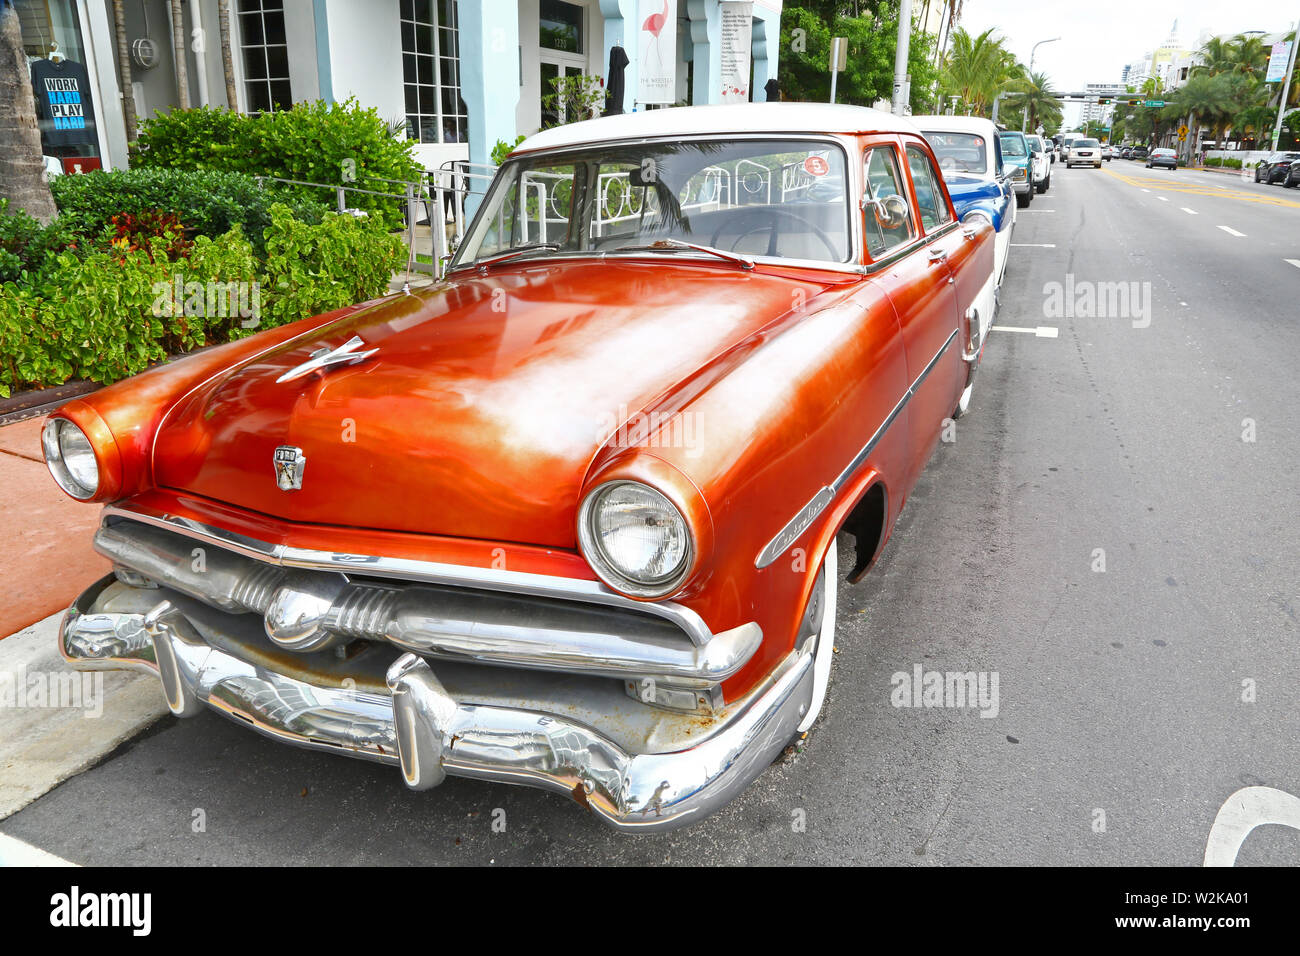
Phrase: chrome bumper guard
{"type": "Point", "coordinates": [418, 726]}
{"type": "Point", "coordinates": [308, 609]}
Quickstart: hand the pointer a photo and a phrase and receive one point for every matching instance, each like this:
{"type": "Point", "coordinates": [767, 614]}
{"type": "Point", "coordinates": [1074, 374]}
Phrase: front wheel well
{"type": "Point", "coordinates": [866, 522]}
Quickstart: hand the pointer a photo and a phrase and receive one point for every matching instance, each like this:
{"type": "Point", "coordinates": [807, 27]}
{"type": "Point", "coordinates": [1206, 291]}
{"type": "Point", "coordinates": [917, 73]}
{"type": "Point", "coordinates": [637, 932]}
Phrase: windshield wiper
{"type": "Point", "coordinates": [516, 252]}
{"type": "Point", "coordinates": [660, 244]}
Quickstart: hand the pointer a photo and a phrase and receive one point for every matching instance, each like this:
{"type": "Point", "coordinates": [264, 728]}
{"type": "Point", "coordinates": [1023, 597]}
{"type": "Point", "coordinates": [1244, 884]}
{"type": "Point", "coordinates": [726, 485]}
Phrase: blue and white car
{"type": "Point", "coordinates": [970, 158]}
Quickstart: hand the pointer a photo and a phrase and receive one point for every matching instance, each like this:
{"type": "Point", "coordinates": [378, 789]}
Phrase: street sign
{"type": "Point", "coordinates": [1277, 61]}
{"type": "Point", "coordinates": [839, 53]}
{"type": "Point", "coordinates": [1182, 133]}
{"type": "Point", "coordinates": [1151, 104]}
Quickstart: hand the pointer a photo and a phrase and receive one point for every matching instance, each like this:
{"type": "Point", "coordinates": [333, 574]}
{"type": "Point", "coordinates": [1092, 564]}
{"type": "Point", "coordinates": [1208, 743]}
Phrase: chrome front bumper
{"type": "Point", "coordinates": [390, 707]}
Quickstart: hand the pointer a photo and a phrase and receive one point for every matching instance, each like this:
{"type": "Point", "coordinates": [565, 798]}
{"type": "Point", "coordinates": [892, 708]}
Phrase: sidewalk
{"type": "Point", "coordinates": [44, 535]}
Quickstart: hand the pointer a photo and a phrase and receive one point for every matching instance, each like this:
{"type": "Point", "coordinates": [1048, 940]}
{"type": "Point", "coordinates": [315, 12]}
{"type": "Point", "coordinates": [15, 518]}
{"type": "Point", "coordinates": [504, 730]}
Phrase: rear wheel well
{"type": "Point", "coordinates": [866, 522]}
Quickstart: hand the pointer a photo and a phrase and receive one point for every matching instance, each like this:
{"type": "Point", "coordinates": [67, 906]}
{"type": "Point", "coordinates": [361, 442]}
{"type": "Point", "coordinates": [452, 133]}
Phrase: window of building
{"type": "Point", "coordinates": [435, 113]}
{"type": "Point", "coordinates": [264, 45]}
{"type": "Point", "coordinates": [560, 26]}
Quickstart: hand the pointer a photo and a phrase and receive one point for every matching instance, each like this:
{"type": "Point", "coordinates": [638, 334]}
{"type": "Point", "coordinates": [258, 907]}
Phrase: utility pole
{"type": "Point", "coordinates": [1286, 87]}
{"type": "Point", "coordinates": [901, 91]}
{"type": "Point", "coordinates": [1024, 123]}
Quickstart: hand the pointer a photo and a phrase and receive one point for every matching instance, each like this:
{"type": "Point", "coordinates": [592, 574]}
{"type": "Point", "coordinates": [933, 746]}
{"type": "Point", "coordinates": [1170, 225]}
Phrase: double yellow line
{"type": "Point", "coordinates": [1194, 189]}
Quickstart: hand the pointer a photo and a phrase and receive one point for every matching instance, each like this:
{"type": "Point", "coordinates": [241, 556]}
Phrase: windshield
{"type": "Point", "coordinates": [959, 152]}
{"type": "Point", "coordinates": [1086, 143]}
{"type": "Point", "coordinates": [776, 198]}
{"type": "Point", "coordinates": [1014, 146]}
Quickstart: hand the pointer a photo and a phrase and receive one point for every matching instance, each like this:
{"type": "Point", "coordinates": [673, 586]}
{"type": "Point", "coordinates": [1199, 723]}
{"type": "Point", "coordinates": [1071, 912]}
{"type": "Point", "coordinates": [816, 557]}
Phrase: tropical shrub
{"type": "Point", "coordinates": [330, 143]}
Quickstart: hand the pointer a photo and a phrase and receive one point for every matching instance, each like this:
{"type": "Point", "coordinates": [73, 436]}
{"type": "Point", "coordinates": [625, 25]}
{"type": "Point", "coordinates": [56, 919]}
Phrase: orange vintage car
{"type": "Point", "coordinates": [565, 518]}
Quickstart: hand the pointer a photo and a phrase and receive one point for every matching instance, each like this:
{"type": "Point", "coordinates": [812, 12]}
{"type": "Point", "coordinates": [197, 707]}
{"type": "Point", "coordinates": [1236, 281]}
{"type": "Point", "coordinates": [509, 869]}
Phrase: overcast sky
{"type": "Point", "coordinates": [1099, 37]}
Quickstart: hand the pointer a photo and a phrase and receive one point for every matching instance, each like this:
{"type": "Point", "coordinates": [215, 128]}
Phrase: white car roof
{"type": "Point", "coordinates": [813, 118]}
{"type": "Point", "coordinates": [956, 124]}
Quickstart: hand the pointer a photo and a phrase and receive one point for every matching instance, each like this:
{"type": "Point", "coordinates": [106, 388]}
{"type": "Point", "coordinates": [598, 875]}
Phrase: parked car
{"type": "Point", "coordinates": [1139, 152]}
{"type": "Point", "coordinates": [1042, 163]}
{"type": "Point", "coordinates": [1275, 167]}
{"type": "Point", "coordinates": [1162, 157]}
{"type": "Point", "coordinates": [568, 517]}
{"type": "Point", "coordinates": [1126, 152]}
{"type": "Point", "coordinates": [1108, 153]}
{"type": "Point", "coordinates": [1292, 175]}
{"type": "Point", "coordinates": [969, 152]}
{"type": "Point", "coordinates": [1084, 152]}
{"type": "Point", "coordinates": [1018, 160]}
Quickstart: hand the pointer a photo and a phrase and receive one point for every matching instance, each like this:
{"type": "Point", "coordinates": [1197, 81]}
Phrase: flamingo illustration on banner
{"type": "Point", "coordinates": [657, 69]}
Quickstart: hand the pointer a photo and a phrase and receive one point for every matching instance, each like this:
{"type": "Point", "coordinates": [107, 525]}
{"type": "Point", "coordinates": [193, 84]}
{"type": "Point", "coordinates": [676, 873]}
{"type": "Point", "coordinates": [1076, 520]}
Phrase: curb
{"type": "Point", "coordinates": [44, 741]}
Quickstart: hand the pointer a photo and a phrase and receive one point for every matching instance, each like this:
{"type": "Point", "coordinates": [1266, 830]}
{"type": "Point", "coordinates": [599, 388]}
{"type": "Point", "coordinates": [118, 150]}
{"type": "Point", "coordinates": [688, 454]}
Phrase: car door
{"type": "Point", "coordinates": [917, 281]}
{"type": "Point", "coordinates": [968, 251]}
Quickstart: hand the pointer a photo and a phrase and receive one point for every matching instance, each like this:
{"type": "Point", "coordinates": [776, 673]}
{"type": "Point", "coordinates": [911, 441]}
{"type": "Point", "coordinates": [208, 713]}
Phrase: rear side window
{"type": "Point", "coordinates": [929, 196]}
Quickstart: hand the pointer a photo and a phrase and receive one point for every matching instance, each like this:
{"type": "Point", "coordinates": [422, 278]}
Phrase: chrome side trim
{"type": "Point", "coordinates": [809, 512]}
{"type": "Point", "coordinates": [406, 569]}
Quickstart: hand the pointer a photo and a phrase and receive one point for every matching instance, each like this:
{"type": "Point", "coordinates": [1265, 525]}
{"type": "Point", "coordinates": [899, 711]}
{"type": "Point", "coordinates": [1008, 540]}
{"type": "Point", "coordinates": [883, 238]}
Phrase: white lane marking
{"type": "Point", "coordinates": [1035, 245]}
{"type": "Point", "coordinates": [1042, 331]}
{"type": "Point", "coordinates": [1031, 209]}
{"type": "Point", "coordinates": [1232, 232]}
{"type": "Point", "coordinates": [14, 852]}
{"type": "Point", "coordinates": [1294, 262]}
{"type": "Point", "coordinates": [1163, 198]}
{"type": "Point", "coordinates": [1190, 212]}
{"type": "Point", "coordinates": [1146, 190]}
{"type": "Point", "coordinates": [1246, 809]}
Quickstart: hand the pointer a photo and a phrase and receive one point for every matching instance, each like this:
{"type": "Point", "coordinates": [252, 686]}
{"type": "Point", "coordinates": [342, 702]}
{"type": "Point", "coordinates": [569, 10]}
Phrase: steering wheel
{"type": "Point", "coordinates": [947, 162]}
{"type": "Point", "coordinates": [771, 229]}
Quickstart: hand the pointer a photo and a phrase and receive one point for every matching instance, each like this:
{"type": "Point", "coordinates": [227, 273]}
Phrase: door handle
{"type": "Point", "coordinates": [969, 233]}
{"type": "Point", "coordinates": [937, 255]}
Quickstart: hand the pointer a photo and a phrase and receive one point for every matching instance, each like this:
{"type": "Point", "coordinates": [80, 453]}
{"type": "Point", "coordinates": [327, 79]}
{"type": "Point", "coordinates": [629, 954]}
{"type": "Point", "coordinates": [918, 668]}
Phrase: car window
{"type": "Point", "coordinates": [1014, 146]}
{"type": "Point", "coordinates": [1086, 143]}
{"type": "Point", "coordinates": [959, 152]}
{"type": "Point", "coordinates": [883, 180]}
{"type": "Point", "coordinates": [929, 197]}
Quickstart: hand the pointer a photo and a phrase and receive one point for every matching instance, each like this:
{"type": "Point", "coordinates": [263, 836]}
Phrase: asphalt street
{"type": "Point", "coordinates": [1112, 533]}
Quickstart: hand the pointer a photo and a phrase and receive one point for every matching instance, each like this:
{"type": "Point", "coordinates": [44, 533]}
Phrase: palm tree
{"type": "Point", "coordinates": [179, 55]}
{"type": "Point", "coordinates": [22, 169]}
{"type": "Point", "coordinates": [227, 62]}
{"type": "Point", "coordinates": [977, 68]}
{"type": "Point", "coordinates": [124, 71]}
{"type": "Point", "coordinates": [1035, 93]}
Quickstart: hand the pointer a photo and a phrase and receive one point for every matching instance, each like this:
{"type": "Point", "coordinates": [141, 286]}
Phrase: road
{"type": "Point", "coordinates": [1113, 533]}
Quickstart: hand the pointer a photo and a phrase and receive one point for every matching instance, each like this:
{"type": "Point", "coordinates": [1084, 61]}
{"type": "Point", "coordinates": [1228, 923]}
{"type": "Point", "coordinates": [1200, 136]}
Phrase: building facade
{"type": "Point", "coordinates": [457, 75]}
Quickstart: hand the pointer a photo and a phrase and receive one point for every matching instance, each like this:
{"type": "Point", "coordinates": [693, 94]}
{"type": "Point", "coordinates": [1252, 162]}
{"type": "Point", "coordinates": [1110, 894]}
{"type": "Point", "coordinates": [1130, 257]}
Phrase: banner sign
{"type": "Point", "coordinates": [1277, 62]}
{"type": "Point", "coordinates": [737, 38]}
{"type": "Point", "coordinates": [656, 49]}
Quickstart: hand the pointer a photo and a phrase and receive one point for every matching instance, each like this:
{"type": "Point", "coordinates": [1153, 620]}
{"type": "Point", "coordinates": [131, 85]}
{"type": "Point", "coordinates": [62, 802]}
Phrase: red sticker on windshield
{"type": "Point", "coordinates": [816, 166]}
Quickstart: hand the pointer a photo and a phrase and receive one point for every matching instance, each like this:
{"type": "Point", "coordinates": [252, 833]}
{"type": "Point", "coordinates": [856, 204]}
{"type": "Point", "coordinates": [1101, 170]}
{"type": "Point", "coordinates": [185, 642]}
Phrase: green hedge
{"type": "Point", "coordinates": [335, 144]}
{"type": "Point", "coordinates": [208, 202]}
{"type": "Point", "coordinates": [111, 312]}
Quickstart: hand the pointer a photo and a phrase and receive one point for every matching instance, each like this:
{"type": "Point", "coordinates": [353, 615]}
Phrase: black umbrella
{"type": "Point", "coordinates": [614, 82]}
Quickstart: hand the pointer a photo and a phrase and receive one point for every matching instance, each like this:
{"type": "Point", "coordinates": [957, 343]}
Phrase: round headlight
{"type": "Point", "coordinates": [634, 538]}
{"type": "Point", "coordinates": [978, 214]}
{"type": "Point", "coordinates": [70, 458]}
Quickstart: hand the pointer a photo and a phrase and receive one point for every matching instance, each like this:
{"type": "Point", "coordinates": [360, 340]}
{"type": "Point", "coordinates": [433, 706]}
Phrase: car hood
{"type": "Point", "coordinates": [483, 406]}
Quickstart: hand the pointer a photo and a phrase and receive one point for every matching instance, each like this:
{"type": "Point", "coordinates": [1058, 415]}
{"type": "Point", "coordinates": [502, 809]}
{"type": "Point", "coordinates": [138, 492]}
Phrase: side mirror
{"type": "Point", "coordinates": [890, 211]}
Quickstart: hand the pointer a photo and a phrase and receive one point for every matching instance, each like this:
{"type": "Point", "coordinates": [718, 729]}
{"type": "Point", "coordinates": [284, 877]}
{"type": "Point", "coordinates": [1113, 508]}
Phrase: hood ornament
{"type": "Point", "coordinates": [289, 465]}
{"type": "Point", "coordinates": [322, 358]}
